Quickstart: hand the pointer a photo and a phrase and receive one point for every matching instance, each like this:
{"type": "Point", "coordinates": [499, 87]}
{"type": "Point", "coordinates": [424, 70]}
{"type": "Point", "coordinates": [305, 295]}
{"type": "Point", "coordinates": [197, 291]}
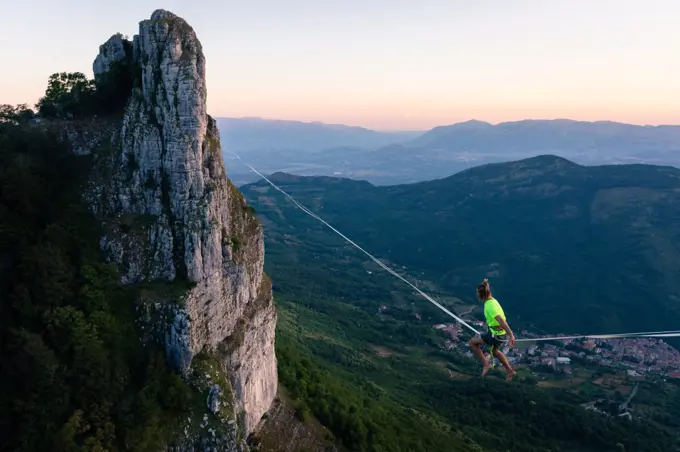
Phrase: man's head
{"type": "Point", "coordinates": [483, 290]}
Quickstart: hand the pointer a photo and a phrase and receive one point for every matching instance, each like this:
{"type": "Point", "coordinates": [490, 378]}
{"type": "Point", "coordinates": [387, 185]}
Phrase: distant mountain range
{"type": "Point", "coordinates": [257, 134]}
{"type": "Point", "coordinates": [385, 158]}
{"type": "Point", "coordinates": [568, 248]}
{"type": "Point", "coordinates": [601, 138]}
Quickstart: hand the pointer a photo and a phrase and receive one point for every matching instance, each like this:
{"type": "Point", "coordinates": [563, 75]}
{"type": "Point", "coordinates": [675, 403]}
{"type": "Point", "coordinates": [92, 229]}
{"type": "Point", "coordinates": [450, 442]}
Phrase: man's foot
{"type": "Point", "coordinates": [486, 370]}
{"type": "Point", "coordinates": [510, 374]}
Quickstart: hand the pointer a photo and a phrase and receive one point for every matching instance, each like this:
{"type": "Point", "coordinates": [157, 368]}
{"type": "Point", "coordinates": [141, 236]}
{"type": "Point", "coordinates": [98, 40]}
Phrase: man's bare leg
{"type": "Point", "coordinates": [476, 347]}
{"type": "Point", "coordinates": [508, 369]}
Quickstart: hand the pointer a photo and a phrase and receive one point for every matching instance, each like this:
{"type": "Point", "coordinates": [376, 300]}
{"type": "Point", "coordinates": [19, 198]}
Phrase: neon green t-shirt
{"type": "Point", "coordinates": [492, 308]}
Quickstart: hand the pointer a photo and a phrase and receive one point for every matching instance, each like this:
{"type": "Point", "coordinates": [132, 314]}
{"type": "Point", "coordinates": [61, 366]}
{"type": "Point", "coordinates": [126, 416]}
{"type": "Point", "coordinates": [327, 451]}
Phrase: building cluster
{"type": "Point", "coordinates": [638, 356]}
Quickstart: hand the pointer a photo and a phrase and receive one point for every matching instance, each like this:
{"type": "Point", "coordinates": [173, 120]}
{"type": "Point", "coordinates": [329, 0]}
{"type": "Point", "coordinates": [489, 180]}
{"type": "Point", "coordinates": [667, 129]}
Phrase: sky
{"type": "Point", "coordinates": [383, 64]}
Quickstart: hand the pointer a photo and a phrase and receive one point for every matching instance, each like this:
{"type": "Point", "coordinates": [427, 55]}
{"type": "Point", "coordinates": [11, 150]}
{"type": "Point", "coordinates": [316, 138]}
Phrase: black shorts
{"type": "Point", "coordinates": [497, 341]}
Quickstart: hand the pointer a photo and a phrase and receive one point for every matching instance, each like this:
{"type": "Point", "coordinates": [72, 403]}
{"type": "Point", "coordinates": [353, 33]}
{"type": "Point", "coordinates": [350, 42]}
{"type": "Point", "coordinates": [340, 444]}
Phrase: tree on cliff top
{"type": "Point", "coordinates": [72, 95]}
{"type": "Point", "coordinates": [68, 95]}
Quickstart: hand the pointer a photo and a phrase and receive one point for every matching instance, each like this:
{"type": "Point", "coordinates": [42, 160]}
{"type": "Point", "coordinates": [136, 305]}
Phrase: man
{"type": "Point", "coordinates": [498, 334]}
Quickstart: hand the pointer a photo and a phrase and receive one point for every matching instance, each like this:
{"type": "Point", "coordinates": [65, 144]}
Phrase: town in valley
{"type": "Point", "coordinates": [637, 356]}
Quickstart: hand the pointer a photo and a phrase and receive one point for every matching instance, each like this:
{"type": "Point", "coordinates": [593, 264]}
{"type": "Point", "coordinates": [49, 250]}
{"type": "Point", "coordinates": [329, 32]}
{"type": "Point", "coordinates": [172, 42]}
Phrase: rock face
{"type": "Point", "coordinates": [171, 214]}
{"type": "Point", "coordinates": [114, 50]}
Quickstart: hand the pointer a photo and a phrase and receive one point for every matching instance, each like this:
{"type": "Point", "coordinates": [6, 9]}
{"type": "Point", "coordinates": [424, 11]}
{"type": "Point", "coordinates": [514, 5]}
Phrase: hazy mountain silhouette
{"type": "Point", "coordinates": [443, 150]}
{"type": "Point", "coordinates": [603, 138]}
{"type": "Point", "coordinates": [248, 134]}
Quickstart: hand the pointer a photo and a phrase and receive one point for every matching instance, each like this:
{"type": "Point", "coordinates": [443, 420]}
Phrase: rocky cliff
{"type": "Point", "coordinates": [175, 225]}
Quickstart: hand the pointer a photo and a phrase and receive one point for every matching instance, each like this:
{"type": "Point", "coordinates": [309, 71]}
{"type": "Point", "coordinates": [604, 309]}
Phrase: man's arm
{"type": "Point", "coordinates": [506, 327]}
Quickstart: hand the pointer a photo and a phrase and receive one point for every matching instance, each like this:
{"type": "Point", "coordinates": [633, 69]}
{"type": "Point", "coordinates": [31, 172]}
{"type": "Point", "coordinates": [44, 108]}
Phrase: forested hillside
{"type": "Point", "coordinates": [75, 375]}
{"type": "Point", "coordinates": [356, 346]}
{"type": "Point", "coordinates": [568, 248]}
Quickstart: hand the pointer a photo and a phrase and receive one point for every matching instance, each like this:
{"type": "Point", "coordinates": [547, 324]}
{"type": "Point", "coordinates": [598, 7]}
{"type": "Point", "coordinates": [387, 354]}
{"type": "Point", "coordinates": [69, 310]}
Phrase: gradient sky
{"type": "Point", "coordinates": [385, 64]}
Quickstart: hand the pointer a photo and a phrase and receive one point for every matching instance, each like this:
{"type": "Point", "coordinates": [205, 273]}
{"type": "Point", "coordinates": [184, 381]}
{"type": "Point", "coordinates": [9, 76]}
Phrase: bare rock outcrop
{"type": "Point", "coordinates": [116, 49]}
{"type": "Point", "coordinates": [173, 219]}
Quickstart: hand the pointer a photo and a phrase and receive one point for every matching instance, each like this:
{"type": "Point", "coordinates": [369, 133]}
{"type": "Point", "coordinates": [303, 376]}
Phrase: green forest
{"type": "Point", "coordinates": [412, 396]}
{"type": "Point", "coordinates": [407, 402]}
{"type": "Point", "coordinates": [567, 248]}
{"type": "Point", "coordinates": [74, 374]}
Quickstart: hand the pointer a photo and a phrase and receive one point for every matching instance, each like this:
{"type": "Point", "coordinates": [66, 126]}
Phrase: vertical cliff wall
{"type": "Point", "coordinates": [172, 216]}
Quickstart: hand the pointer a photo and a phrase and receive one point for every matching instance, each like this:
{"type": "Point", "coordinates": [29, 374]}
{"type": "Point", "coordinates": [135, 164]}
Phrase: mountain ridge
{"type": "Point", "coordinates": [247, 134]}
{"type": "Point", "coordinates": [558, 129]}
{"type": "Point", "coordinates": [552, 248]}
{"type": "Point", "coordinates": [540, 160]}
{"type": "Point", "coordinates": [532, 216]}
{"type": "Point", "coordinates": [444, 150]}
